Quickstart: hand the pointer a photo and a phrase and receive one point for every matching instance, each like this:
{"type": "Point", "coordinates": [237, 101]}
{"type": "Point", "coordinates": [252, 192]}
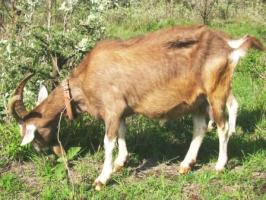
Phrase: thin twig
{"type": "Point", "coordinates": [63, 156]}
{"type": "Point", "coordinates": [171, 160]}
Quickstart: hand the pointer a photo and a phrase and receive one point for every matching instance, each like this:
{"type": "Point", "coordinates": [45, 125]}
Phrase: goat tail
{"type": "Point", "coordinates": [241, 46]}
{"type": "Point", "coordinates": [252, 42]}
{"type": "Point", "coordinates": [246, 43]}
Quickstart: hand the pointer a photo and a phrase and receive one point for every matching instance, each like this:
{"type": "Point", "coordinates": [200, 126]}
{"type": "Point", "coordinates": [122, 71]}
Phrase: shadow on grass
{"type": "Point", "coordinates": [84, 132]}
{"type": "Point", "coordinates": [160, 142]}
{"type": "Point", "coordinates": [247, 120]}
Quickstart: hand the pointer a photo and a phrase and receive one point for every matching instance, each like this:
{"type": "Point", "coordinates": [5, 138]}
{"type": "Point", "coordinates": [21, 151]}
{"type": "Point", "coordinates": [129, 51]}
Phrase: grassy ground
{"type": "Point", "coordinates": [156, 147]}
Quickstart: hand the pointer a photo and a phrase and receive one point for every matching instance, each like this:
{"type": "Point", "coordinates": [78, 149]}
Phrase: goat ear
{"type": "Point", "coordinates": [43, 94]}
{"type": "Point", "coordinates": [29, 135]}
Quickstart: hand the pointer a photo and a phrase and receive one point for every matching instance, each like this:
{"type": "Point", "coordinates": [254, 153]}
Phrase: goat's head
{"type": "Point", "coordinates": [34, 127]}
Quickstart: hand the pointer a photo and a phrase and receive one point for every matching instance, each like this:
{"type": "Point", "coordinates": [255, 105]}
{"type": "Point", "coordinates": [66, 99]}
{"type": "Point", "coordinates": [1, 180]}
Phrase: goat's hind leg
{"type": "Point", "coordinates": [199, 130]}
{"type": "Point", "coordinates": [232, 107]}
{"type": "Point", "coordinates": [222, 129]}
{"type": "Point", "coordinates": [122, 148]}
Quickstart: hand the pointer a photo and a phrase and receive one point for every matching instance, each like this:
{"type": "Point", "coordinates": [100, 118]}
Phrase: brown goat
{"type": "Point", "coordinates": [168, 73]}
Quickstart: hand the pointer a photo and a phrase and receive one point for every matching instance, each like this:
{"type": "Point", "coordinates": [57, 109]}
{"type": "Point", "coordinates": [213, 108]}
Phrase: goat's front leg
{"type": "Point", "coordinates": [211, 122]}
{"type": "Point", "coordinates": [122, 148]}
{"type": "Point", "coordinates": [58, 150]}
{"type": "Point", "coordinates": [109, 145]}
{"type": "Point", "coordinates": [199, 130]}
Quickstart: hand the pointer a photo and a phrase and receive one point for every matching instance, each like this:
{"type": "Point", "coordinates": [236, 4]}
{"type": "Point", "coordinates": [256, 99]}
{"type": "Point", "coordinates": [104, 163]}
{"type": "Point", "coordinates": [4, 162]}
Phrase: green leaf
{"type": "Point", "coordinates": [60, 171]}
{"type": "Point", "coordinates": [72, 152]}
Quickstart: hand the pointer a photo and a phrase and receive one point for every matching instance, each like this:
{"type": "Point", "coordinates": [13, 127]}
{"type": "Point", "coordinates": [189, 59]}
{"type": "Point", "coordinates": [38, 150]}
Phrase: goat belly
{"type": "Point", "coordinates": [169, 104]}
{"type": "Point", "coordinates": [156, 112]}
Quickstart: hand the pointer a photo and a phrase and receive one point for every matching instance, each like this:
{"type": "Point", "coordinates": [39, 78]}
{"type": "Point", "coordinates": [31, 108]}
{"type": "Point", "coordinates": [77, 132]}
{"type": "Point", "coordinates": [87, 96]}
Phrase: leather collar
{"type": "Point", "coordinates": [67, 99]}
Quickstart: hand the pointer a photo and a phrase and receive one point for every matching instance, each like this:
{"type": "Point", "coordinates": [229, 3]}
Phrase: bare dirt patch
{"type": "Point", "coordinates": [192, 192]}
{"type": "Point", "coordinates": [152, 168]}
{"type": "Point", "coordinates": [27, 174]}
{"type": "Point", "coordinates": [260, 188]}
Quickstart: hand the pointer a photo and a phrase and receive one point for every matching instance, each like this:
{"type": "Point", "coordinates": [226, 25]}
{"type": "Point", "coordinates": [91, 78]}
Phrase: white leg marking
{"type": "Point", "coordinates": [107, 166]}
{"type": "Point", "coordinates": [232, 107]}
{"type": "Point", "coordinates": [199, 129]}
{"type": "Point", "coordinates": [223, 142]}
{"type": "Point", "coordinates": [122, 147]}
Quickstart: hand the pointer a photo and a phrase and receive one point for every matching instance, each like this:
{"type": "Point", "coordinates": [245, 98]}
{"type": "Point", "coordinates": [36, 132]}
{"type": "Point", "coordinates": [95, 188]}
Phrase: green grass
{"type": "Point", "coordinates": [25, 174]}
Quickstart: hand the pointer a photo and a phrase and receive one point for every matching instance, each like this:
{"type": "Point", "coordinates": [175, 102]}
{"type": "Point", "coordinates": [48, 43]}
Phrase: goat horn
{"type": "Point", "coordinates": [15, 105]}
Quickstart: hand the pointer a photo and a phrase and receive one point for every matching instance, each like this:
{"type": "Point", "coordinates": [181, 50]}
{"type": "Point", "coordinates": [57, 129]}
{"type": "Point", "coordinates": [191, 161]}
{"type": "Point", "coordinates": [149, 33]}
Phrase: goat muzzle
{"type": "Point", "coordinates": [15, 105]}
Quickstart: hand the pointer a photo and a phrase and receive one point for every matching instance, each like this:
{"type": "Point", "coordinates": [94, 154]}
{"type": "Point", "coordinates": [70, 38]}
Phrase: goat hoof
{"type": "Point", "coordinates": [117, 168]}
{"type": "Point", "coordinates": [184, 170]}
{"type": "Point", "coordinates": [98, 185]}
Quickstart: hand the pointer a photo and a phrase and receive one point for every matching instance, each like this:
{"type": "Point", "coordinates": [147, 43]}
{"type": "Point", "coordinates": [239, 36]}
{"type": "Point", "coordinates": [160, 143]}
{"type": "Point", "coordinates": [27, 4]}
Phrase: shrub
{"type": "Point", "coordinates": [48, 38]}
